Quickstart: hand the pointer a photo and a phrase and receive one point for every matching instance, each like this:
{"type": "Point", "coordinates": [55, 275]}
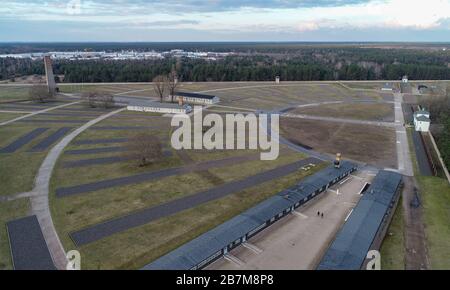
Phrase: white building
{"type": "Point", "coordinates": [387, 87]}
{"type": "Point", "coordinates": [422, 121]}
{"type": "Point", "coordinates": [405, 79]}
{"type": "Point", "coordinates": [163, 108]}
{"type": "Point", "coordinates": [196, 98]}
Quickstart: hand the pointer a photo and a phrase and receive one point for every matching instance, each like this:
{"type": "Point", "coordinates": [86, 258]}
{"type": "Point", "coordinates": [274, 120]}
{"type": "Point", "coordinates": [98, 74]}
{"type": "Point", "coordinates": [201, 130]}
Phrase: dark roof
{"type": "Point", "coordinates": [349, 249]}
{"type": "Point", "coordinates": [423, 119]}
{"type": "Point", "coordinates": [28, 247]}
{"type": "Point", "coordinates": [195, 95]}
{"type": "Point", "coordinates": [199, 249]}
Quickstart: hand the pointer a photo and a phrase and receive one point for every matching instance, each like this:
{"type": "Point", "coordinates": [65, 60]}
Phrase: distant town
{"type": "Point", "coordinates": [121, 55]}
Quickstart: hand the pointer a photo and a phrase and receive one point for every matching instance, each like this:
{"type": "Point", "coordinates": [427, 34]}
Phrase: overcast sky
{"type": "Point", "coordinates": [225, 20]}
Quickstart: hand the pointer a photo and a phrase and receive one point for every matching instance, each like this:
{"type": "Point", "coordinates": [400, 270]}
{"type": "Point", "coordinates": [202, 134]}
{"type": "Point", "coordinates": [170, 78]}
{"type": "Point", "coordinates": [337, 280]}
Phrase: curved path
{"type": "Point", "coordinates": [37, 113]}
{"type": "Point", "coordinates": [39, 197]}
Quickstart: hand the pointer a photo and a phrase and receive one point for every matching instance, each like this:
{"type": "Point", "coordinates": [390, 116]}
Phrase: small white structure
{"type": "Point", "coordinates": [405, 79]}
{"type": "Point", "coordinates": [422, 121]}
{"type": "Point", "coordinates": [387, 87]}
{"type": "Point", "coordinates": [196, 98]}
{"type": "Point", "coordinates": [163, 108]}
{"type": "Point", "coordinates": [277, 80]}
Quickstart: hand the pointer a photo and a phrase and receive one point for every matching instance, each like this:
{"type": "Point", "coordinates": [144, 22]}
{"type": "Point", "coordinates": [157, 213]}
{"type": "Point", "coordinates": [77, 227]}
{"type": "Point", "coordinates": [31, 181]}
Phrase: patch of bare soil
{"type": "Point", "coordinates": [370, 144]}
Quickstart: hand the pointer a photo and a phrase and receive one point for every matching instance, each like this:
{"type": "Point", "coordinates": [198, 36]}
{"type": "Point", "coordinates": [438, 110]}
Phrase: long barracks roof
{"type": "Point", "coordinates": [199, 249]}
{"type": "Point", "coordinates": [349, 249]}
{"type": "Point", "coordinates": [195, 95]}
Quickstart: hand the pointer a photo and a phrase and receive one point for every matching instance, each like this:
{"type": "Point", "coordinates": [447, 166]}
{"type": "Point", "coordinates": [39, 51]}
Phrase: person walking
{"type": "Point", "coordinates": [318, 213]}
{"type": "Point", "coordinates": [322, 215]}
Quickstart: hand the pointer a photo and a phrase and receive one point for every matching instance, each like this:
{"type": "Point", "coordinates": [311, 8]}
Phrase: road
{"type": "Point", "coordinates": [403, 156]}
{"type": "Point", "coordinates": [37, 113]}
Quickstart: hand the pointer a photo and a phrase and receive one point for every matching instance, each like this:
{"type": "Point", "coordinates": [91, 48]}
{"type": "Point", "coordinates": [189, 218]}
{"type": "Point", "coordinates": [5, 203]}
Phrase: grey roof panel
{"type": "Point", "coordinates": [349, 249]}
{"type": "Point", "coordinates": [199, 249]}
{"type": "Point", "coordinates": [28, 247]}
{"type": "Point", "coordinates": [195, 95]}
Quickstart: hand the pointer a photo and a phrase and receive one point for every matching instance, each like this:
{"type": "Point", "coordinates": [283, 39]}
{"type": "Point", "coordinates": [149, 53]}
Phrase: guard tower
{"type": "Point", "coordinates": [49, 74]}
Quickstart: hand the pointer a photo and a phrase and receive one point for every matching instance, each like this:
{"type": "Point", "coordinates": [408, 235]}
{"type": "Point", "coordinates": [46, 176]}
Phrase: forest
{"type": "Point", "coordinates": [250, 62]}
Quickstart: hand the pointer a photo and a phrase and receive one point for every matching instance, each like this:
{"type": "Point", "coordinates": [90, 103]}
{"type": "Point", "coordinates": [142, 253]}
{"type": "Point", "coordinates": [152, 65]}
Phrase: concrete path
{"type": "Point", "coordinates": [339, 120]}
{"type": "Point", "coordinates": [403, 156]}
{"type": "Point", "coordinates": [37, 113]}
{"type": "Point", "coordinates": [16, 112]}
{"type": "Point", "coordinates": [40, 199]}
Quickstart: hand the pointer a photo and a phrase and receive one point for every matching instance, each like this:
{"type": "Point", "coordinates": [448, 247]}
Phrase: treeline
{"type": "Point", "coordinates": [308, 65]}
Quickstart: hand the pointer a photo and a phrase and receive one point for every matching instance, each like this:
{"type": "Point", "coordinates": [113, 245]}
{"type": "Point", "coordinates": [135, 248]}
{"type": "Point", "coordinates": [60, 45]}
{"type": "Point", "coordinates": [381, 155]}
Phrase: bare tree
{"type": "Point", "coordinates": [160, 85]}
{"type": "Point", "coordinates": [40, 93]}
{"type": "Point", "coordinates": [144, 148]}
{"type": "Point", "coordinates": [98, 100]}
{"type": "Point", "coordinates": [172, 82]}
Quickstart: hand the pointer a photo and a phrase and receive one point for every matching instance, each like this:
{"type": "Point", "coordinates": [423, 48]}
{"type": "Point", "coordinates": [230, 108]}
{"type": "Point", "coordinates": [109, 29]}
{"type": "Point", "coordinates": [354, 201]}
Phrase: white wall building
{"type": "Point", "coordinates": [387, 87]}
{"type": "Point", "coordinates": [163, 108]}
{"type": "Point", "coordinates": [405, 79]}
{"type": "Point", "coordinates": [196, 98]}
{"type": "Point", "coordinates": [422, 121]}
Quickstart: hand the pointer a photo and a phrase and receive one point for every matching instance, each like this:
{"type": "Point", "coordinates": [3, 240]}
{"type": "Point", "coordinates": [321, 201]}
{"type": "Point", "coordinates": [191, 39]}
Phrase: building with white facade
{"type": "Point", "coordinates": [196, 98]}
{"type": "Point", "coordinates": [163, 108]}
{"type": "Point", "coordinates": [422, 121]}
{"type": "Point", "coordinates": [387, 87]}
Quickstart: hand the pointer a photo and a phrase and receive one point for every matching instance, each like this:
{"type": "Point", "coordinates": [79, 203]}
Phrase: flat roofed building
{"type": "Point", "coordinates": [163, 108]}
{"type": "Point", "coordinates": [387, 87]}
{"type": "Point", "coordinates": [366, 227]}
{"type": "Point", "coordinates": [196, 98]}
{"type": "Point", "coordinates": [217, 242]}
{"type": "Point", "coordinates": [422, 121]}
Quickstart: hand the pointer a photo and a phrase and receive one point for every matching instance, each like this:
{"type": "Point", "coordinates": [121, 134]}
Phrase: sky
{"type": "Point", "coordinates": [225, 20]}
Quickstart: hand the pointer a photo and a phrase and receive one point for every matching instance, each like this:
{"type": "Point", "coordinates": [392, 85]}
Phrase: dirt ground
{"type": "Point", "coordinates": [298, 241]}
{"type": "Point", "coordinates": [360, 111]}
{"type": "Point", "coordinates": [370, 144]}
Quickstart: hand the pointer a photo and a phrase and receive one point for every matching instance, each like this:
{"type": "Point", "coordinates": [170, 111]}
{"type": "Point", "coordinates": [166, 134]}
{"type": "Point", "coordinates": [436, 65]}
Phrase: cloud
{"type": "Point", "coordinates": [242, 18]}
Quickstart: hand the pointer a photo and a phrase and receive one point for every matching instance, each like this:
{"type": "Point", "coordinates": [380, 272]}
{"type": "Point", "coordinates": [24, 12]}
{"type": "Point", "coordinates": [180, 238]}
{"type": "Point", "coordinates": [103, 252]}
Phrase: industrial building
{"type": "Point", "coordinates": [366, 227]}
{"type": "Point", "coordinates": [196, 98]}
{"type": "Point", "coordinates": [164, 108]}
{"type": "Point", "coordinates": [217, 242]}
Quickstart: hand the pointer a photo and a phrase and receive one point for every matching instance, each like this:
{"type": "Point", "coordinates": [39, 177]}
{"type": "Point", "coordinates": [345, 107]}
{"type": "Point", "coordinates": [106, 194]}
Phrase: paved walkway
{"type": "Point", "coordinates": [339, 120]}
{"type": "Point", "coordinates": [403, 156]}
{"type": "Point", "coordinates": [37, 112]}
{"type": "Point", "coordinates": [40, 200]}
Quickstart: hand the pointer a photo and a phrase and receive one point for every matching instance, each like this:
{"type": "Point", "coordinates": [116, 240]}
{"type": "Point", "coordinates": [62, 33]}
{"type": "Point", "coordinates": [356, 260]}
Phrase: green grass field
{"type": "Point", "coordinates": [393, 249]}
{"type": "Point", "coordinates": [9, 211]}
{"type": "Point", "coordinates": [134, 248]}
{"type": "Point", "coordinates": [435, 193]}
{"type": "Point", "coordinates": [9, 116]}
{"type": "Point", "coordinates": [370, 112]}
{"type": "Point", "coordinates": [11, 93]}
